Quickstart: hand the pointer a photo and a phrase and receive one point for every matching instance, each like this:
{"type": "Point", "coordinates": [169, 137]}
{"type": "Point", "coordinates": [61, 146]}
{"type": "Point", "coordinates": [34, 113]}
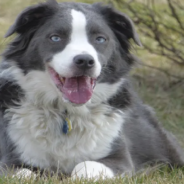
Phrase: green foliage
{"type": "Point", "coordinates": [161, 28]}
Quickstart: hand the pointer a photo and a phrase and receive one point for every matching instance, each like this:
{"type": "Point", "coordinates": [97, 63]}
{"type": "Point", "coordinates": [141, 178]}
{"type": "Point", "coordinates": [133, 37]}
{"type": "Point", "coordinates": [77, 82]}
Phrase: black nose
{"type": "Point", "coordinates": [84, 61]}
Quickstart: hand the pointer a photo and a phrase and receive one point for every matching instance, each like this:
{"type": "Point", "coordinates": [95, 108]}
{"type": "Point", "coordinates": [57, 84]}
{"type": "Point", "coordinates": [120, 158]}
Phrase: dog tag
{"type": "Point", "coordinates": [67, 127]}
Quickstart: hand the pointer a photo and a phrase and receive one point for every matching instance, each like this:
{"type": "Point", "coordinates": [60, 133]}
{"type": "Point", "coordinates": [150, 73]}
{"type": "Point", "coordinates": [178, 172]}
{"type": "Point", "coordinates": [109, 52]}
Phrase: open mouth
{"type": "Point", "coordinates": [77, 90]}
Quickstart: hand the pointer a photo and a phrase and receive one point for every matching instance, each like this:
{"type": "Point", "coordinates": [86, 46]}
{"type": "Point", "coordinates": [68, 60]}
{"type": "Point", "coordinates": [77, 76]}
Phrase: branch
{"type": "Point", "coordinates": [163, 71]}
{"type": "Point", "coordinates": [175, 15]}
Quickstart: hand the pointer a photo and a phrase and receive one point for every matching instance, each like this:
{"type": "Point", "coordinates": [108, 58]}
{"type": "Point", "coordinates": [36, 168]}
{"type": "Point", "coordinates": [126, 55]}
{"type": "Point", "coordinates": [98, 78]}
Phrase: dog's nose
{"type": "Point", "coordinates": [84, 61]}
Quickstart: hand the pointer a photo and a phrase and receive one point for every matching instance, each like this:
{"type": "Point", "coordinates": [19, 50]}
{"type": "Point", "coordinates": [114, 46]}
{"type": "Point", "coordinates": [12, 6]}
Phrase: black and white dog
{"type": "Point", "coordinates": [66, 103]}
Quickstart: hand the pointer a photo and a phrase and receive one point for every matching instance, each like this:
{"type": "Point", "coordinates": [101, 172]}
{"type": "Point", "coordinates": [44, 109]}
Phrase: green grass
{"type": "Point", "coordinates": [161, 176]}
{"type": "Point", "coordinates": [153, 87]}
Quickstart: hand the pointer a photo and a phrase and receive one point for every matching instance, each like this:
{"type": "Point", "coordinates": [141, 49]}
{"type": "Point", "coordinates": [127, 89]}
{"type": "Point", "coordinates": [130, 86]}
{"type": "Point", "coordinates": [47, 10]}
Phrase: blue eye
{"type": "Point", "coordinates": [100, 39]}
{"type": "Point", "coordinates": [55, 38]}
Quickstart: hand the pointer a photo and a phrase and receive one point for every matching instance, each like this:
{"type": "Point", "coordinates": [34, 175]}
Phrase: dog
{"type": "Point", "coordinates": [67, 104]}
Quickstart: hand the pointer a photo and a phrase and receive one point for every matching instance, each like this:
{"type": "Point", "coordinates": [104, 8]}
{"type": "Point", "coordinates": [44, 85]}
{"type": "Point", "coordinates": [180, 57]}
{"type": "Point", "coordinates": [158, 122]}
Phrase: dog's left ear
{"type": "Point", "coordinates": [120, 23]}
{"type": "Point", "coordinates": [31, 17]}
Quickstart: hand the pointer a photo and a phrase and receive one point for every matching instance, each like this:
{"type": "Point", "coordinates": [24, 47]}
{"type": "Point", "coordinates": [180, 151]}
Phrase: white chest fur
{"type": "Point", "coordinates": [35, 127]}
{"type": "Point", "coordinates": [37, 134]}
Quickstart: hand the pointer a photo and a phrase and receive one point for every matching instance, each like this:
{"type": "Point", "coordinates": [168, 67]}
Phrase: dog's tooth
{"type": "Point", "coordinates": [61, 79]}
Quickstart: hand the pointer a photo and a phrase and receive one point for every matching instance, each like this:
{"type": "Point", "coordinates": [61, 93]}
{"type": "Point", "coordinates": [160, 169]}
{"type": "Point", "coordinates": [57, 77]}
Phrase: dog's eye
{"type": "Point", "coordinates": [55, 38]}
{"type": "Point", "coordinates": [100, 39]}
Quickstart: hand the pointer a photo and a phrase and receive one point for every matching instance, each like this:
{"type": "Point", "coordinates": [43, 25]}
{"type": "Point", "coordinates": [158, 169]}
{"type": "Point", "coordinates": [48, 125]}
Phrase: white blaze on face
{"type": "Point", "coordinates": [62, 62]}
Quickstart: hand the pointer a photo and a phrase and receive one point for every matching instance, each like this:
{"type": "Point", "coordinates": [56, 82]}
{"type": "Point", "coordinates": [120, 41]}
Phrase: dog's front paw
{"type": "Point", "coordinates": [24, 173]}
{"type": "Point", "coordinates": [91, 170]}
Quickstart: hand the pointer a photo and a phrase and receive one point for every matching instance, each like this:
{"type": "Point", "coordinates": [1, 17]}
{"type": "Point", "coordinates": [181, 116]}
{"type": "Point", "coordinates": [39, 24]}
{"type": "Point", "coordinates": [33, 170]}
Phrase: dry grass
{"type": "Point", "coordinates": [153, 87]}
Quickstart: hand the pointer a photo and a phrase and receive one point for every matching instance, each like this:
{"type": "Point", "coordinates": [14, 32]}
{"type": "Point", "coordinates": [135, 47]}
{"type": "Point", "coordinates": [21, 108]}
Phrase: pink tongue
{"type": "Point", "coordinates": [78, 89]}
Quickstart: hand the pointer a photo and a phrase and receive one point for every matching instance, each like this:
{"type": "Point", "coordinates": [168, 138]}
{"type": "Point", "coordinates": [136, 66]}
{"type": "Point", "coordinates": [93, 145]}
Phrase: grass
{"type": "Point", "coordinates": [153, 87]}
{"type": "Point", "coordinates": [161, 176]}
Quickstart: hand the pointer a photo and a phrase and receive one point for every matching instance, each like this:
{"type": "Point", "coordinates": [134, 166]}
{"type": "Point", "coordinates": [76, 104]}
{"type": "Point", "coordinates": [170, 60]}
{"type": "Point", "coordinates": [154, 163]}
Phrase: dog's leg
{"type": "Point", "coordinates": [6, 170]}
{"type": "Point", "coordinates": [24, 173]}
{"type": "Point", "coordinates": [105, 168]}
{"type": "Point", "coordinates": [118, 162]}
{"type": "Point", "coordinates": [91, 169]}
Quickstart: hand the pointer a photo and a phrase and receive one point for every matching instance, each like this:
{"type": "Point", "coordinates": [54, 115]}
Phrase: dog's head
{"type": "Point", "coordinates": [78, 44]}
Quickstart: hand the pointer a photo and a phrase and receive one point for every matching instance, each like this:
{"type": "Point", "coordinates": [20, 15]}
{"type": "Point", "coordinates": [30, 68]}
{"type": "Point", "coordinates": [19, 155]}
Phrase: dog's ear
{"type": "Point", "coordinates": [120, 23]}
{"type": "Point", "coordinates": [31, 17]}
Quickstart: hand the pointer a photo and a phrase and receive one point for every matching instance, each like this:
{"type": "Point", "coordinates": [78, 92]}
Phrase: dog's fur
{"type": "Point", "coordinates": [112, 131]}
